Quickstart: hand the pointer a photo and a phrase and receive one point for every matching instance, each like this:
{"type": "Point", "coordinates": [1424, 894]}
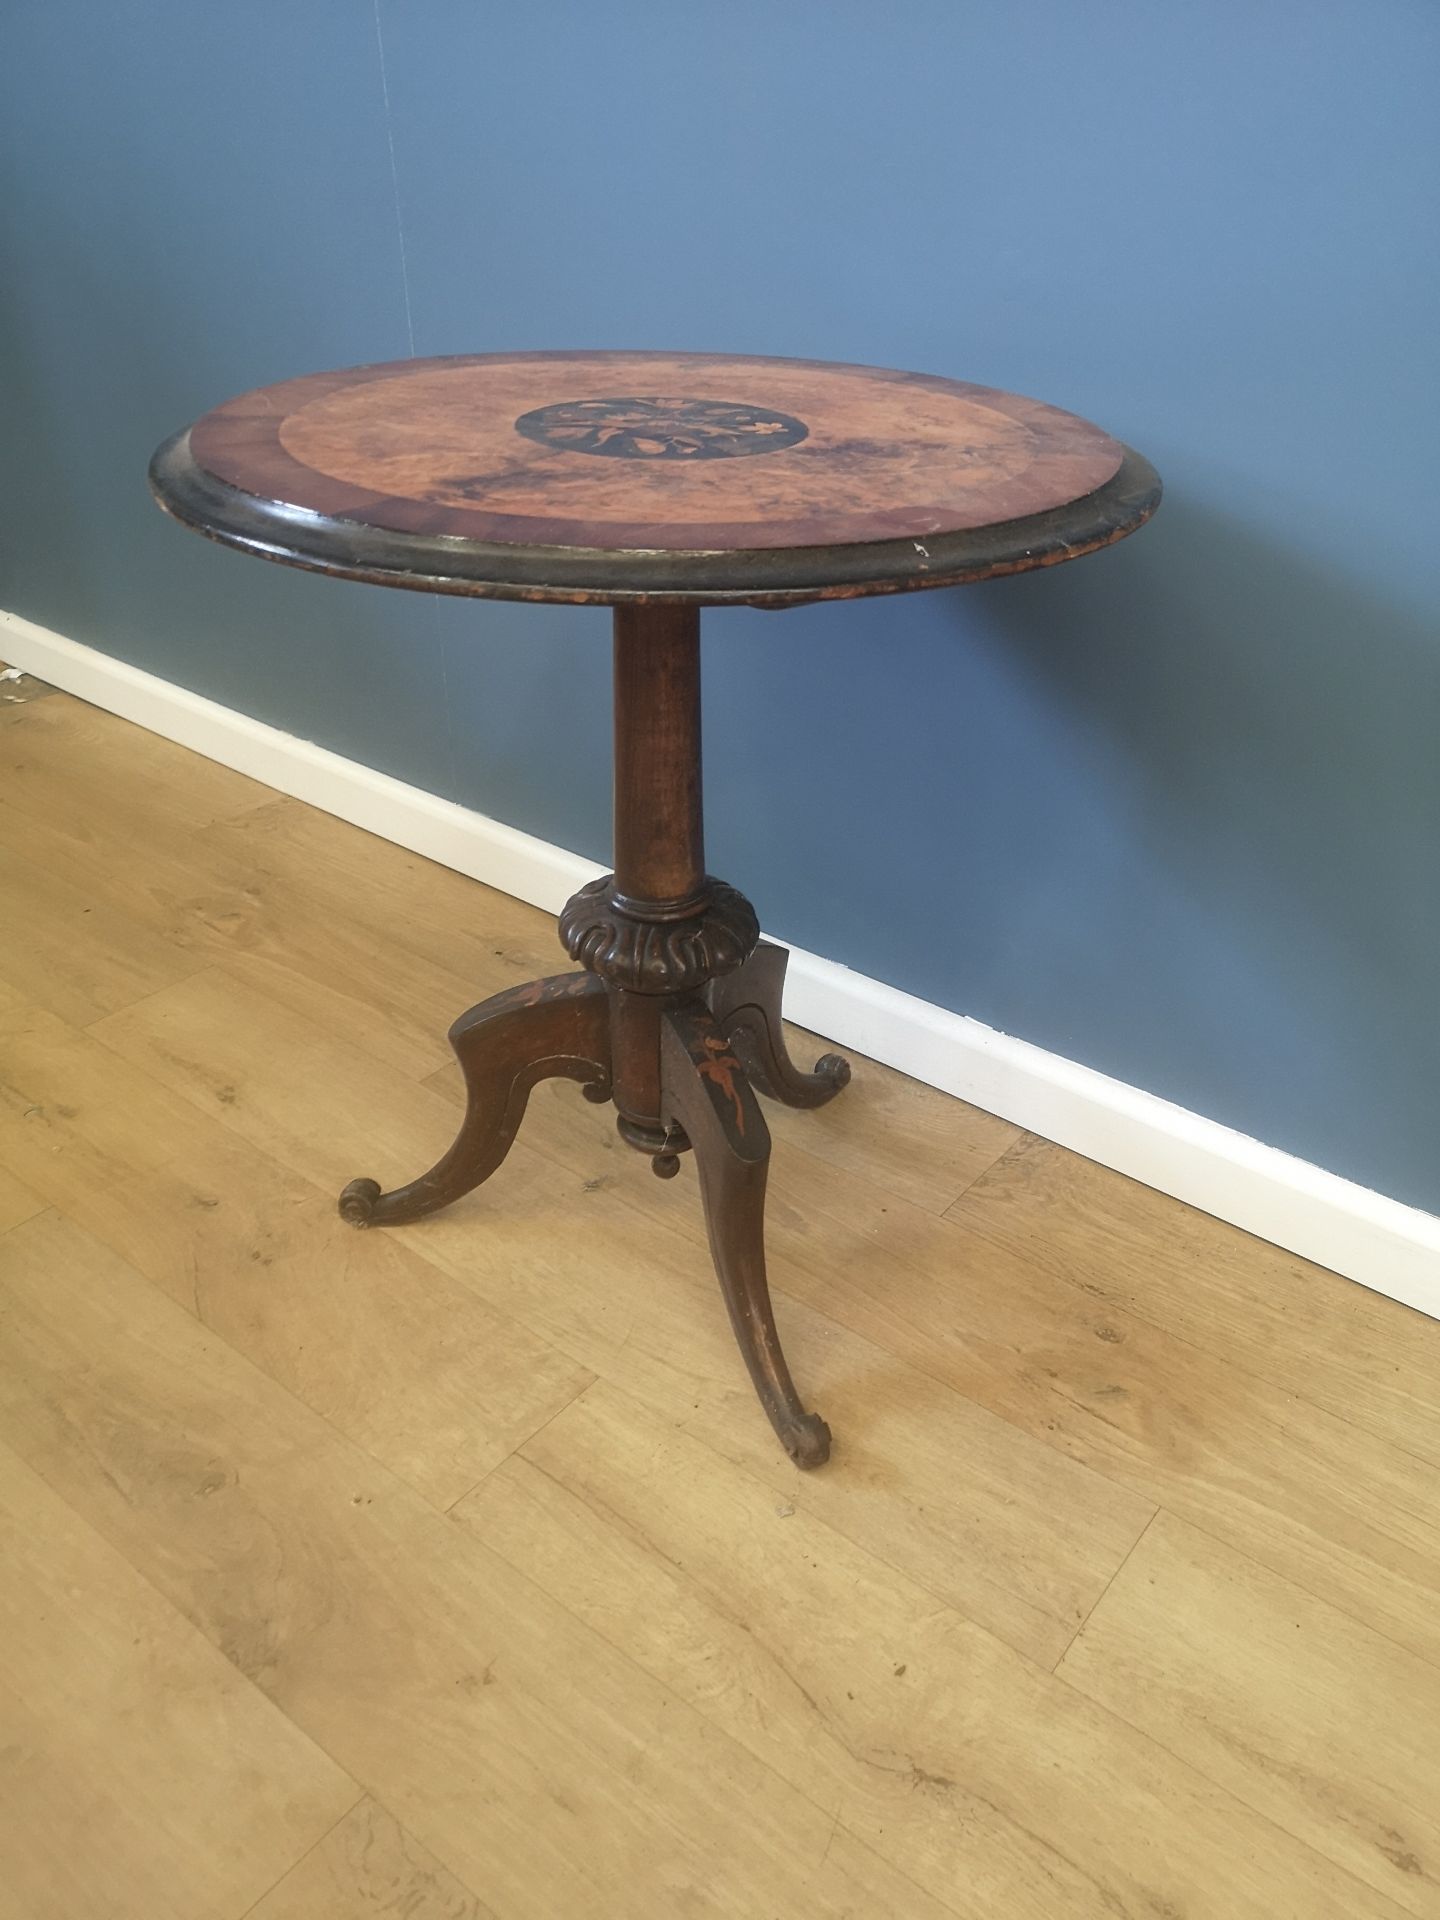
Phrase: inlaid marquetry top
{"type": "Point", "coordinates": [619, 476]}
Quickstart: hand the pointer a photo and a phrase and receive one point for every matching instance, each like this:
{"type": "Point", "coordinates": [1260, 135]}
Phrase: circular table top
{"type": "Point", "coordinates": [651, 476]}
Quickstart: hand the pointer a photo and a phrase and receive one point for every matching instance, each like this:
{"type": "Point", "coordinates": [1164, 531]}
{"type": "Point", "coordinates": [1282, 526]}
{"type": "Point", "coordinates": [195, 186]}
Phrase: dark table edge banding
{"type": "Point", "coordinates": [757, 576]}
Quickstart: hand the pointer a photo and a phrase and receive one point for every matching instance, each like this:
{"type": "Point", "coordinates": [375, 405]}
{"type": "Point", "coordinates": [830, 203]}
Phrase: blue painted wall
{"type": "Point", "coordinates": [1171, 811]}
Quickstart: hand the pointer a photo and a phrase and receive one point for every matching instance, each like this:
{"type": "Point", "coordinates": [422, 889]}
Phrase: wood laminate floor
{"type": "Point", "coordinates": [452, 1573]}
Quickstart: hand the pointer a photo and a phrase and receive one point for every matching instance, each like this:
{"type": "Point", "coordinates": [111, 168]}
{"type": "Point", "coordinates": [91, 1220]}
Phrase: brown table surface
{"type": "Point", "coordinates": [617, 477]}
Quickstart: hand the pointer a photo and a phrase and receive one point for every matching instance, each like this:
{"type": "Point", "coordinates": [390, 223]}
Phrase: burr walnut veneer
{"type": "Point", "coordinates": [656, 483]}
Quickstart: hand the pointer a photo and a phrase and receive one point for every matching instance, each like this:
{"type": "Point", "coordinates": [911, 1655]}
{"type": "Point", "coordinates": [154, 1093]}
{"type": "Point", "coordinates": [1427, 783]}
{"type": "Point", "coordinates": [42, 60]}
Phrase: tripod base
{"type": "Point", "coordinates": [702, 1051]}
{"type": "Point", "coordinates": [676, 1018]}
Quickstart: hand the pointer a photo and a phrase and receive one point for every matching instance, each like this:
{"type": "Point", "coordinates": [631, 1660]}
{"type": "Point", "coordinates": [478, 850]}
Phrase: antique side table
{"type": "Point", "coordinates": [656, 484]}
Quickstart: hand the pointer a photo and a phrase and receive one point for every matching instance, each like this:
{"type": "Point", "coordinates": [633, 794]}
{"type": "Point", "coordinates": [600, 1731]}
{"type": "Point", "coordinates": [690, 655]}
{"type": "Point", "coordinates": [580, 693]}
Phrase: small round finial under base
{"type": "Point", "coordinates": [598, 1094]}
{"type": "Point", "coordinates": [357, 1202]}
{"type": "Point", "coordinates": [663, 1144]}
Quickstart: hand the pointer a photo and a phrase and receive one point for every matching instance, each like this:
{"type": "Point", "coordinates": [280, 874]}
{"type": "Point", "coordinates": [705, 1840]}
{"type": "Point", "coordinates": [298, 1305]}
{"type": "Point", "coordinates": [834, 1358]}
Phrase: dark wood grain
{"type": "Point", "coordinates": [746, 1005]}
{"type": "Point", "coordinates": [705, 1093]}
{"type": "Point", "coordinates": [659, 822]}
{"type": "Point", "coordinates": [608, 476]}
{"type": "Point", "coordinates": [658, 927]}
{"type": "Point", "coordinates": [651, 1024]}
{"type": "Point", "coordinates": [550, 1029]}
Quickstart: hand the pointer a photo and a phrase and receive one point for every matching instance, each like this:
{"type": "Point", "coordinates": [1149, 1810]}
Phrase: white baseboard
{"type": "Point", "coordinates": [1387, 1246]}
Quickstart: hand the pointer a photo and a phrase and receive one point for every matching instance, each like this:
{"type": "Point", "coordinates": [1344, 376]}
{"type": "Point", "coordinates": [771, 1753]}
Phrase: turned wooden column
{"type": "Point", "coordinates": [659, 835]}
{"type": "Point", "coordinates": [659, 816]}
{"type": "Point", "coordinates": [658, 927]}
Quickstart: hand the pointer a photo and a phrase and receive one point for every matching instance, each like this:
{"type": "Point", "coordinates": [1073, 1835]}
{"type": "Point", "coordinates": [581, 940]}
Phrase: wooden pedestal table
{"type": "Point", "coordinates": [658, 484]}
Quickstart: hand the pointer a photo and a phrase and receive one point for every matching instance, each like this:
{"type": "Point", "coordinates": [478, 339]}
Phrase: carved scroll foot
{"type": "Point", "coordinates": [746, 1006]}
{"type": "Point", "coordinates": [705, 1093]}
{"type": "Point", "coordinates": [556, 1028]}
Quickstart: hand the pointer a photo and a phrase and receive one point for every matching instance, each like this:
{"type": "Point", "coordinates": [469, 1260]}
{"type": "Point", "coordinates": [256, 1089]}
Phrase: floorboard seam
{"type": "Point", "coordinates": [1099, 1598]}
{"type": "Point", "coordinates": [300, 1859]}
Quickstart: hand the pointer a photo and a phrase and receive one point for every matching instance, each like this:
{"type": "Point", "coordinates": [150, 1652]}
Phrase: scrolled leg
{"type": "Point", "coordinates": [705, 1092]}
{"type": "Point", "coordinates": [549, 1029]}
{"type": "Point", "coordinates": [746, 1006]}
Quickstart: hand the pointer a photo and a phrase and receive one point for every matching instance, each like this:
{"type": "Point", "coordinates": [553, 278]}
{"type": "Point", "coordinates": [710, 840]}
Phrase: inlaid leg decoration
{"type": "Point", "coordinates": [704, 1091]}
{"type": "Point", "coordinates": [746, 1006]}
{"type": "Point", "coordinates": [549, 1029]}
